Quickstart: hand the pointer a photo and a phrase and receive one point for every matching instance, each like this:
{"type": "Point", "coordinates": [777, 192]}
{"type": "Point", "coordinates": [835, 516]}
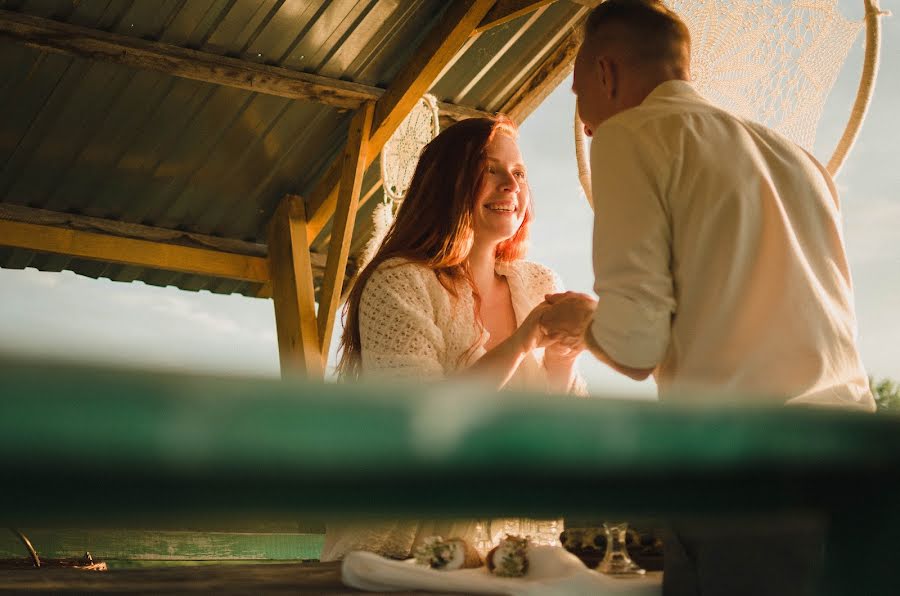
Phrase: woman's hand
{"type": "Point", "coordinates": [531, 334]}
{"type": "Point", "coordinates": [563, 350]}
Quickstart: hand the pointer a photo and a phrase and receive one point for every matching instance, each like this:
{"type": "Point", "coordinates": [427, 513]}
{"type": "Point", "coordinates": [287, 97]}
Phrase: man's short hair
{"type": "Point", "coordinates": [651, 31]}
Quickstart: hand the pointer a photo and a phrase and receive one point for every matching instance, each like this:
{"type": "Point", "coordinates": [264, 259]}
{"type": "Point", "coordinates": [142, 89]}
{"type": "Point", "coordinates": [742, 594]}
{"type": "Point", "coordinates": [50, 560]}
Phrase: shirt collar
{"type": "Point", "coordinates": [673, 88]}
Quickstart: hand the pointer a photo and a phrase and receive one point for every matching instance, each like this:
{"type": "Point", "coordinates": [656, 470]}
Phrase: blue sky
{"type": "Point", "coordinates": [61, 315]}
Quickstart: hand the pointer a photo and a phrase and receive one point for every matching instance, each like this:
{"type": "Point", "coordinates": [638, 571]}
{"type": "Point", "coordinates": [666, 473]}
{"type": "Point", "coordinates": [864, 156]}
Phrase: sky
{"type": "Point", "coordinates": [62, 315]}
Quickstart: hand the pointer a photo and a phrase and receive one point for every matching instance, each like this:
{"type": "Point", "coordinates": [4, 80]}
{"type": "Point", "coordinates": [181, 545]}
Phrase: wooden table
{"type": "Point", "coordinates": [281, 578]}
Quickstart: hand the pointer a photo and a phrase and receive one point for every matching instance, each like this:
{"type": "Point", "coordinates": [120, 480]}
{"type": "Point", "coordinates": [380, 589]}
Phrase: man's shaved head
{"type": "Point", "coordinates": [629, 48]}
{"type": "Point", "coordinates": [645, 31]}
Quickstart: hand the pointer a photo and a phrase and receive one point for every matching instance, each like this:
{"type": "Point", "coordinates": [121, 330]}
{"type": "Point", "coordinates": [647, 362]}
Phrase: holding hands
{"type": "Point", "coordinates": [558, 324]}
{"type": "Point", "coordinates": [567, 317]}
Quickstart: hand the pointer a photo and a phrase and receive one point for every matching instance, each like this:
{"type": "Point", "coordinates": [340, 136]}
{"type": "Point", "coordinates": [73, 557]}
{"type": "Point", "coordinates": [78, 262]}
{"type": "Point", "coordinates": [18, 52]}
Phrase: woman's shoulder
{"type": "Point", "coordinates": [536, 276]}
{"type": "Point", "coordinates": [399, 279]}
{"type": "Point", "coordinates": [401, 269]}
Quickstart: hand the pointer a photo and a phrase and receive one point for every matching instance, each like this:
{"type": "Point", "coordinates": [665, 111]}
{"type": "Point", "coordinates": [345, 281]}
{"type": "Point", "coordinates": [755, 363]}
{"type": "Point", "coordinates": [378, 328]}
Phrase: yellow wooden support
{"type": "Point", "coordinates": [131, 251]}
{"type": "Point", "coordinates": [353, 166]}
{"type": "Point", "coordinates": [293, 292]}
{"type": "Point", "coordinates": [505, 11]}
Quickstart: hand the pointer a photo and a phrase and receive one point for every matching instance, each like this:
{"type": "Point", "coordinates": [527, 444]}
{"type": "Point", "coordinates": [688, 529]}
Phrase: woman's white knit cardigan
{"type": "Point", "coordinates": [411, 328]}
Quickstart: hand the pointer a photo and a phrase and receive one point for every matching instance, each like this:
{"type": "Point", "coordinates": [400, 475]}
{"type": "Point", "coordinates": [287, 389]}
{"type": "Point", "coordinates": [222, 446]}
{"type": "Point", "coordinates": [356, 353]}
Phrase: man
{"type": "Point", "coordinates": [718, 257]}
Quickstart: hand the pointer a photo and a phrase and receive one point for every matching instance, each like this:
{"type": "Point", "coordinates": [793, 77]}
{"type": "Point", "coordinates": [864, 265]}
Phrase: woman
{"type": "Point", "coordinates": [448, 295]}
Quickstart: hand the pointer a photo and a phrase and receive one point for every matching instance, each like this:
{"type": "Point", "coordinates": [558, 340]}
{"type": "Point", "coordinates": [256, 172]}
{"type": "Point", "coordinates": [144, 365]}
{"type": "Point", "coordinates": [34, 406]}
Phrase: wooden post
{"type": "Point", "coordinates": [293, 292]}
{"type": "Point", "coordinates": [353, 167]}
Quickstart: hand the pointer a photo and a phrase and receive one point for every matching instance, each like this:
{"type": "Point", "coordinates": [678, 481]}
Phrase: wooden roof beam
{"type": "Point", "coordinates": [507, 10]}
{"type": "Point", "coordinates": [440, 46]}
{"type": "Point", "coordinates": [353, 166]}
{"type": "Point", "coordinates": [547, 77]}
{"type": "Point", "coordinates": [128, 251]}
{"type": "Point", "coordinates": [72, 40]}
{"type": "Point", "coordinates": [155, 241]}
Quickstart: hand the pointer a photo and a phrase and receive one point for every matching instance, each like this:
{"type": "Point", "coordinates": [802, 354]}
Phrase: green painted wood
{"type": "Point", "coordinates": [154, 545]}
{"type": "Point", "coordinates": [107, 448]}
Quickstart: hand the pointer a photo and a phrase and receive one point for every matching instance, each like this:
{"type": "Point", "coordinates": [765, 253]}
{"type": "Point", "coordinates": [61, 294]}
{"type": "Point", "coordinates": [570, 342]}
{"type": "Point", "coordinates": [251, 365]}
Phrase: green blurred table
{"type": "Point", "coordinates": [114, 448]}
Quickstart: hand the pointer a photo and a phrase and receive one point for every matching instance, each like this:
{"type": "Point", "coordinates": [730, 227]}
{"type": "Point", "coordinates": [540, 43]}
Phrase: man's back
{"type": "Point", "coordinates": [729, 235]}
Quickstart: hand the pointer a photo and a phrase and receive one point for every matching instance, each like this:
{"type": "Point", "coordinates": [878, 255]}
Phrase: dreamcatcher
{"type": "Point", "coordinates": [398, 163]}
{"type": "Point", "coordinates": [773, 62]}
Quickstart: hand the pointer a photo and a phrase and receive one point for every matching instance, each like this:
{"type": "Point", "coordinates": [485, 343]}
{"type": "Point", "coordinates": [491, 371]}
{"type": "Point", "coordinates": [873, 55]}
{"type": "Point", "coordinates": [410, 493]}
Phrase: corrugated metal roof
{"type": "Point", "coordinates": [104, 140]}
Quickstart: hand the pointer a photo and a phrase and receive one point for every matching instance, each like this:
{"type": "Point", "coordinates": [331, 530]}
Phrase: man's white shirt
{"type": "Point", "coordinates": [719, 258]}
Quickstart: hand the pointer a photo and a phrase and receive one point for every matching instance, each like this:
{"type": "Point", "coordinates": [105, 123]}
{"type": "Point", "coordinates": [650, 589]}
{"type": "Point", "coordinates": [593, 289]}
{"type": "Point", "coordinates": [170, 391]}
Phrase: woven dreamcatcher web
{"type": "Point", "coordinates": [399, 157]}
{"type": "Point", "coordinates": [767, 60]}
{"type": "Point", "coordinates": [772, 61]}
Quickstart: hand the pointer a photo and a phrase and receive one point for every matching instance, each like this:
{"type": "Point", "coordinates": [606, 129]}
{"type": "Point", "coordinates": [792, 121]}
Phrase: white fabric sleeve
{"type": "Point", "coordinates": [632, 247]}
{"type": "Point", "coordinates": [397, 329]}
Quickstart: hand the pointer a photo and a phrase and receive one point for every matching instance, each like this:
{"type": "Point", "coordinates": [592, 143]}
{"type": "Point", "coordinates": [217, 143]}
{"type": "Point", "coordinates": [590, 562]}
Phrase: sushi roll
{"type": "Point", "coordinates": [447, 555]}
{"type": "Point", "coordinates": [510, 557]}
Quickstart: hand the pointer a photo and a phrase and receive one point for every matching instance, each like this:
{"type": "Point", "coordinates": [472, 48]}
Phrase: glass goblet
{"type": "Point", "coordinates": [616, 561]}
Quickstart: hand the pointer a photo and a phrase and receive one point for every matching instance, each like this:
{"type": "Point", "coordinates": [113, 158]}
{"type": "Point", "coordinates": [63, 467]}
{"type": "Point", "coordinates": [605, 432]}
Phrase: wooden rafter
{"type": "Point", "coordinates": [353, 167]}
{"type": "Point", "coordinates": [72, 40]}
{"type": "Point", "coordinates": [507, 10]}
{"type": "Point", "coordinates": [552, 71]}
{"type": "Point", "coordinates": [162, 237]}
{"type": "Point", "coordinates": [100, 225]}
{"type": "Point", "coordinates": [499, 54]}
{"type": "Point", "coordinates": [129, 251]}
{"type": "Point", "coordinates": [293, 292]}
{"type": "Point", "coordinates": [439, 47]}
{"type": "Point", "coordinates": [546, 77]}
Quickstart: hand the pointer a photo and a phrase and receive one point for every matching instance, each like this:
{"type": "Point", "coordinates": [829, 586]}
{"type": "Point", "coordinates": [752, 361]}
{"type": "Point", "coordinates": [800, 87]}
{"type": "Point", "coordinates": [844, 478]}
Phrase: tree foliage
{"type": "Point", "coordinates": [887, 394]}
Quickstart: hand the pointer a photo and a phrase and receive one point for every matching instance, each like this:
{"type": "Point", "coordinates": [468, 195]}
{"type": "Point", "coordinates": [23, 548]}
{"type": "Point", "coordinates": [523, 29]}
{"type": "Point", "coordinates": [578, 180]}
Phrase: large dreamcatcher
{"type": "Point", "coordinates": [399, 157]}
{"type": "Point", "coordinates": [774, 62]}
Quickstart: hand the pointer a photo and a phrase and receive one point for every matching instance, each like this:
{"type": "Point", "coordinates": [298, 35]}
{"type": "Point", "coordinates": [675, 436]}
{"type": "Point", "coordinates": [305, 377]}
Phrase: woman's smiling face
{"type": "Point", "coordinates": [503, 195]}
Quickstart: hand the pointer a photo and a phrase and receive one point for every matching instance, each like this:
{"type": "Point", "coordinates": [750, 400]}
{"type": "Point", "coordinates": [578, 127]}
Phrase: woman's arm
{"type": "Point", "coordinates": [559, 362]}
{"type": "Point", "coordinates": [499, 364]}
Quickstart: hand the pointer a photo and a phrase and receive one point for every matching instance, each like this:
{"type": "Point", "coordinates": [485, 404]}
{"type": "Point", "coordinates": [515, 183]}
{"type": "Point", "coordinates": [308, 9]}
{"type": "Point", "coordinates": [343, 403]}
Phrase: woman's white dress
{"type": "Point", "coordinates": [412, 329]}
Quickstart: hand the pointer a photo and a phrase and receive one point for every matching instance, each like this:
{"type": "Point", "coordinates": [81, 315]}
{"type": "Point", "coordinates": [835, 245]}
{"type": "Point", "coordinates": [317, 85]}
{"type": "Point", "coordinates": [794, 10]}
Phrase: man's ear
{"type": "Point", "coordinates": [608, 75]}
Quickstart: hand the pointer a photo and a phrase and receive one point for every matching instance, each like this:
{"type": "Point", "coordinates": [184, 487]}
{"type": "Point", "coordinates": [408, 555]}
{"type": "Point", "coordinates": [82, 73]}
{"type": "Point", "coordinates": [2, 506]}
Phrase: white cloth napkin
{"type": "Point", "coordinates": [552, 570]}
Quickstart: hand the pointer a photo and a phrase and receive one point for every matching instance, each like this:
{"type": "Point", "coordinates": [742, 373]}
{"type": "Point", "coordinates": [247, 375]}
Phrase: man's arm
{"type": "Point", "coordinates": [568, 320]}
{"type": "Point", "coordinates": [632, 247]}
{"type": "Point", "coordinates": [638, 374]}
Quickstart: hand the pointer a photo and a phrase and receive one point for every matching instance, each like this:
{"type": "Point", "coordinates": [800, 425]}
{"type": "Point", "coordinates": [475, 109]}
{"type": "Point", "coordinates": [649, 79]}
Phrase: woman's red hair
{"type": "Point", "coordinates": [434, 224]}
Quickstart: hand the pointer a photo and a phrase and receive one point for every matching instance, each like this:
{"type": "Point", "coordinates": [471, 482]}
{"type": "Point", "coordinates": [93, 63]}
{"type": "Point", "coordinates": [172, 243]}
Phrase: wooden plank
{"type": "Point", "coordinates": [271, 579]}
{"type": "Point", "coordinates": [420, 73]}
{"type": "Point", "coordinates": [128, 251]}
{"type": "Point", "coordinates": [164, 545]}
{"type": "Point", "coordinates": [438, 48]}
{"type": "Point", "coordinates": [130, 230]}
{"type": "Point", "coordinates": [72, 40]}
{"type": "Point", "coordinates": [353, 167]}
{"type": "Point", "coordinates": [293, 293]}
{"type": "Point", "coordinates": [507, 10]}
{"type": "Point", "coordinates": [548, 76]}
{"type": "Point", "coordinates": [321, 243]}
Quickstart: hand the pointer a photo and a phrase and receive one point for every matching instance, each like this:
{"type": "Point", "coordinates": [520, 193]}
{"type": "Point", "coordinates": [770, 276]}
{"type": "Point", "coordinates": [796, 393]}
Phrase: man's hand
{"type": "Point", "coordinates": [567, 317]}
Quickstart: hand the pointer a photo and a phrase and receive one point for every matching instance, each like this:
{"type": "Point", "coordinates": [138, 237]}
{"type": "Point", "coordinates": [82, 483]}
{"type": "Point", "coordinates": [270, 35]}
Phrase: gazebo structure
{"type": "Point", "coordinates": [234, 146]}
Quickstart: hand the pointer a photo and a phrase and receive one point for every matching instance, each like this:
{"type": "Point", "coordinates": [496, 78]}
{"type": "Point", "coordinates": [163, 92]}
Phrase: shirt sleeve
{"type": "Point", "coordinates": [632, 247]}
{"type": "Point", "coordinates": [398, 334]}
